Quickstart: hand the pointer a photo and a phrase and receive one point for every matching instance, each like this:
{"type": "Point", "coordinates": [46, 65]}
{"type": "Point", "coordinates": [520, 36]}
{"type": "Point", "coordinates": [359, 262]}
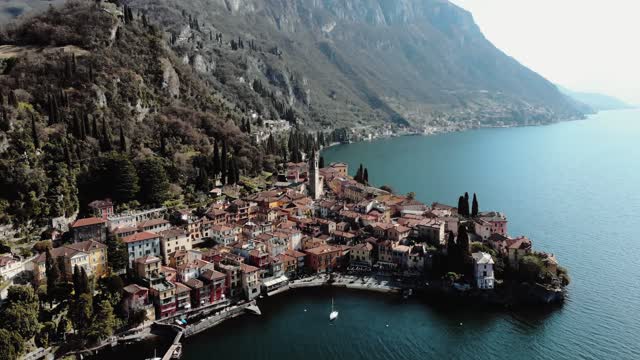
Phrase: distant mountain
{"type": "Point", "coordinates": [597, 102]}
{"type": "Point", "coordinates": [356, 62]}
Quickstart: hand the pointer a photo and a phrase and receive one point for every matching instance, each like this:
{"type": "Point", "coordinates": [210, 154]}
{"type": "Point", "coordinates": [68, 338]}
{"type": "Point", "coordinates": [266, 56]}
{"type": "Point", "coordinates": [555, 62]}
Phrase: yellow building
{"type": "Point", "coordinates": [97, 259]}
{"type": "Point", "coordinates": [90, 255]}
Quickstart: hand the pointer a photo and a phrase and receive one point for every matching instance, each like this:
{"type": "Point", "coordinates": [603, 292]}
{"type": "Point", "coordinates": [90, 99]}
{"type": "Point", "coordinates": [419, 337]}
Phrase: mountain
{"type": "Point", "coordinates": [357, 62]}
{"type": "Point", "coordinates": [598, 102]}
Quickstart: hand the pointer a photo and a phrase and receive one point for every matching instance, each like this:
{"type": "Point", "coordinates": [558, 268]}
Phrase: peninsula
{"type": "Point", "coordinates": [115, 275]}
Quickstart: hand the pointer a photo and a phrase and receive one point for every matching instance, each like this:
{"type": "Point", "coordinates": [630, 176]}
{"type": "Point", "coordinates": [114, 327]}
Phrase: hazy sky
{"type": "Point", "coordinates": [586, 45]}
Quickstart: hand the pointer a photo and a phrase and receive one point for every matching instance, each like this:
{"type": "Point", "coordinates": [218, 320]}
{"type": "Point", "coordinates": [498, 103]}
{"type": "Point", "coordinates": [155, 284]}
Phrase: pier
{"type": "Point", "coordinates": [205, 324]}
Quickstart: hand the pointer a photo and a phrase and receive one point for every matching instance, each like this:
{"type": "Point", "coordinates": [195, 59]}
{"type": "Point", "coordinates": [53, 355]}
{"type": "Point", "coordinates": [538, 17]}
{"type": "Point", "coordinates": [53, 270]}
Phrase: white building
{"type": "Point", "coordinates": [173, 240]}
{"type": "Point", "coordinates": [483, 270]}
{"type": "Point", "coordinates": [142, 244]}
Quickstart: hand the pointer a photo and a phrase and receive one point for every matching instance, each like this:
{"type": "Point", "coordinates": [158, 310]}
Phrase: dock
{"type": "Point", "coordinates": [205, 324]}
{"type": "Point", "coordinates": [174, 346]}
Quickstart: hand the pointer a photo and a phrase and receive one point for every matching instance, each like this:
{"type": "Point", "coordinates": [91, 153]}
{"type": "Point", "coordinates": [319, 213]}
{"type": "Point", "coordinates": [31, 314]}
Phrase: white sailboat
{"type": "Point", "coordinates": [334, 313]}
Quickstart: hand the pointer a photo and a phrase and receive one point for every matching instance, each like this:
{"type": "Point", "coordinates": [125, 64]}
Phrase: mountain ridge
{"type": "Point", "coordinates": [597, 101]}
{"type": "Point", "coordinates": [364, 62]}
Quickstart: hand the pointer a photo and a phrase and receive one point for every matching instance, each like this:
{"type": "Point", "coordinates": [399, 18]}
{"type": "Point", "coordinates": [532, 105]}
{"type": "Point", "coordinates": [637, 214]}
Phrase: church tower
{"type": "Point", "coordinates": [315, 184]}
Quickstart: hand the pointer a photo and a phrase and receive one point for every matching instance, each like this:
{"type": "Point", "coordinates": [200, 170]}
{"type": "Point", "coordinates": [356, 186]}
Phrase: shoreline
{"type": "Point", "coordinates": [375, 284]}
{"type": "Point", "coordinates": [454, 129]}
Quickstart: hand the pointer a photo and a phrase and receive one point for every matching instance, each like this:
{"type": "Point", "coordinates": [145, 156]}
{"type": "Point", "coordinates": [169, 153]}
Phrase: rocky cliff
{"type": "Point", "coordinates": [357, 62]}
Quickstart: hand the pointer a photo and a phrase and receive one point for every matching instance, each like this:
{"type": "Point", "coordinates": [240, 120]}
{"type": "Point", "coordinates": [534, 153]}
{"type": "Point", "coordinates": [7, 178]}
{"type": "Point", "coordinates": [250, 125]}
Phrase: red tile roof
{"type": "Point", "coordinates": [141, 236]}
{"type": "Point", "coordinates": [87, 222]}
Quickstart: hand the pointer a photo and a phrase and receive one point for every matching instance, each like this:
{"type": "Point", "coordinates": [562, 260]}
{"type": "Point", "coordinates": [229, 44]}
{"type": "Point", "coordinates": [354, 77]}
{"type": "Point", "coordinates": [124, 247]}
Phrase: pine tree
{"type": "Point", "coordinates": [474, 206]}
{"type": "Point", "coordinates": [118, 258]}
{"type": "Point", "coordinates": [154, 182]}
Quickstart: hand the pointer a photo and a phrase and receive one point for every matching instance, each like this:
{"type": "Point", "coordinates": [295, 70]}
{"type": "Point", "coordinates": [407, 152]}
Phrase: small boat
{"type": "Point", "coordinates": [177, 353]}
{"type": "Point", "coordinates": [334, 314]}
{"type": "Point", "coordinates": [406, 293]}
{"type": "Point", "coordinates": [155, 357]}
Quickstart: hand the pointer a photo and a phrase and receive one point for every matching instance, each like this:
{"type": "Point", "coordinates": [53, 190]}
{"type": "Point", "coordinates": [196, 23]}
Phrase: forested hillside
{"type": "Point", "coordinates": [93, 104]}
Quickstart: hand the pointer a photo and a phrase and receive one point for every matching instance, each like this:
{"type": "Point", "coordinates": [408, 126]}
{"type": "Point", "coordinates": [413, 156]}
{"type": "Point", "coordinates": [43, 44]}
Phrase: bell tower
{"type": "Point", "coordinates": [315, 184]}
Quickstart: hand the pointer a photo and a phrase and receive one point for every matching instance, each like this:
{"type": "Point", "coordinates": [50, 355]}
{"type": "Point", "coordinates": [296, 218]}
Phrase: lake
{"type": "Point", "coordinates": [572, 187]}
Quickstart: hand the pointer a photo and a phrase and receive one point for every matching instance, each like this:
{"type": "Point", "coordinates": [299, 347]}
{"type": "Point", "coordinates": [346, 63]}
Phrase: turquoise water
{"type": "Point", "coordinates": [572, 187]}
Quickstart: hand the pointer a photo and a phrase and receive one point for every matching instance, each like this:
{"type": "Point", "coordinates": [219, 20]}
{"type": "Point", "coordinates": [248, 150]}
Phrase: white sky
{"type": "Point", "coordinates": [585, 45]}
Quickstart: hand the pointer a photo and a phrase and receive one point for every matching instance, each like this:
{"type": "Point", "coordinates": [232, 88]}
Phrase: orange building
{"type": "Point", "coordinates": [323, 258]}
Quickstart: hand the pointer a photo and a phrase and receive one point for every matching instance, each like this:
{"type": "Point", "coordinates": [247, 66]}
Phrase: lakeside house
{"type": "Point", "coordinates": [483, 270]}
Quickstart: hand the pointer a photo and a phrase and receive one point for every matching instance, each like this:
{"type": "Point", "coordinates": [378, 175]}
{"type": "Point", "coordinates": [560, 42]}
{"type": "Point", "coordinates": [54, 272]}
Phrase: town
{"type": "Point", "coordinates": [176, 266]}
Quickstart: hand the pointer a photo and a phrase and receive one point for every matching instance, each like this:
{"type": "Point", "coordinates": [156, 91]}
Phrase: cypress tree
{"type": "Point", "coordinates": [236, 171]}
{"type": "Point", "coordinates": [106, 139]}
{"type": "Point", "coordinates": [34, 132]}
{"type": "Point", "coordinates": [461, 205]}
{"type": "Point", "coordinates": [223, 162]}
{"type": "Point", "coordinates": [474, 206]}
{"type": "Point", "coordinates": [216, 159]}
{"type": "Point", "coordinates": [463, 241]}
{"type": "Point", "coordinates": [76, 126]}
{"type": "Point", "coordinates": [365, 176]}
{"type": "Point", "coordinates": [86, 285]}
{"type": "Point", "coordinates": [359, 174]}
{"type": "Point", "coordinates": [67, 69]}
{"type": "Point", "coordinates": [52, 274]}
{"type": "Point", "coordinates": [163, 145]}
{"type": "Point", "coordinates": [4, 120]}
{"type": "Point", "coordinates": [321, 162]}
{"type": "Point", "coordinates": [67, 155]}
{"type": "Point", "coordinates": [123, 141]}
{"type": "Point", "coordinates": [74, 63]}
{"type": "Point", "coordinates": [13, 100]}
{"type": "Point", "coordinates": [77, 281]}
{"type": "Point", "coordinates": [202, 182]}
{"type": "Point", "coordinates": [94, 129]}
{"type": "Point", "coordinates": [50, 114]}
{"type": "Point", "coordinates": [86, 124]}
